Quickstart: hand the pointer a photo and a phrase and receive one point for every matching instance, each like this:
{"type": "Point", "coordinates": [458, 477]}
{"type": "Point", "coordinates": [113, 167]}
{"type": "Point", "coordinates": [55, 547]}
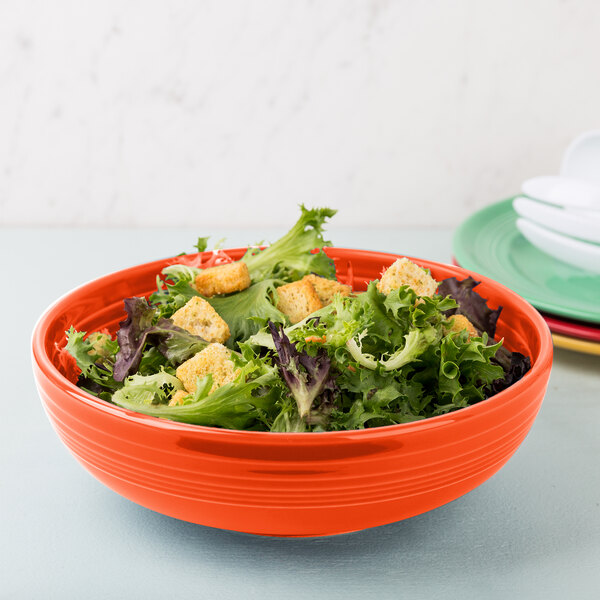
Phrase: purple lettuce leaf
{"type": "Point", "coordinates": [132, 336]}
{"type": "Point", "coordinates": [515, 365]}
{"type": "Point", "coordinates": [308, 378]}
{"type": "Point", "coordinates": [475, 308]}
{"type": "Point", "coordinates": [470, 304]}
{"type": "Point", "coordinates": [174, 343]}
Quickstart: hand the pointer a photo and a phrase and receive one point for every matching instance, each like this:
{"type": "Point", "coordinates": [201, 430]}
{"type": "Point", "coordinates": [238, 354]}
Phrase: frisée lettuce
{"type": "Point", "coordinates": [363, 359]}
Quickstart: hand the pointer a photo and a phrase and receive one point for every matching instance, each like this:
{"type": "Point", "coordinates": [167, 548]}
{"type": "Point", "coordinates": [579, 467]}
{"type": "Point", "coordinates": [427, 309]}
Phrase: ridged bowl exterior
{"type": "Point", "coordinates": [302, 484]}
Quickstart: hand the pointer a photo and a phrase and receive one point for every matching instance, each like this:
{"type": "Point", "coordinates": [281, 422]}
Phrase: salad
{"type": "Point", "coordinates": [273, 342]}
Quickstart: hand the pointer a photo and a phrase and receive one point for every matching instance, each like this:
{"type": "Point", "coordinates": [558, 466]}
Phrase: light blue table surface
{"type": "Point", "coordinates": [531, 531]}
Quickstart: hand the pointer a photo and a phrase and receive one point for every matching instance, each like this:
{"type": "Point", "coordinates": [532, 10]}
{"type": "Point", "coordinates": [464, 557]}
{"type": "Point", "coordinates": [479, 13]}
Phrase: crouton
{"type": "Point", "coordinates": [214, 359]}
{"type": "Point", "coordinates": [459, 323]}
{"type": "Point", "coordinates": [405, 272]}
{"type": "Point", "coordinates": [99, 342]}
{"type": "Point", "coordinates": [200, 318]}
{"type": "Point", "coordinates": [224, 279]}
{"type": "Point", "coordinates": [297, 300]}
{"type": "Point", "coordinates": [327, 288]}
{"type": "Point", "coordinates": [178, 397]}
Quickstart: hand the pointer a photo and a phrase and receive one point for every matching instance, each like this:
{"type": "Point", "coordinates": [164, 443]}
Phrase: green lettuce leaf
{"type": "Point", "coordinates": [95, 356]}
{"type": "Point", "coordinates": [238, 405]}
{"type": "Point", "coordinates": [146, 390]}
{"type": "Point", "coordinates": [290, 257]}
{"type": "Point", "coordinates": [202, 244]}
{"type": "Point", "coordinates": [465, 372]}
{"type": "Point", "coordinates": [416, 341]}
{"type": "Point", "coordinates": [248, 311]}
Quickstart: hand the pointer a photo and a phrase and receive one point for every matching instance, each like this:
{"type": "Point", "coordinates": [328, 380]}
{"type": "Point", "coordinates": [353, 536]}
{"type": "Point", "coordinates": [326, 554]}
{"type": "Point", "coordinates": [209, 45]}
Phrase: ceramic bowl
{"type": "Point", "coordinates": [582, 158]}
{"type": "Point", "coordinates": [296, 484]}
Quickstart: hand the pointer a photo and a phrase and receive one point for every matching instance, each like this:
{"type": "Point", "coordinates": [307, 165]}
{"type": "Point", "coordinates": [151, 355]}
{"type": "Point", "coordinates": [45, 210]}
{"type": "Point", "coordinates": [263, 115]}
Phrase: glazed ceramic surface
{"type": "Point", "coordinates": [572, 329]}
{"type": "Point", "coordinates": [580, 224]}
{"type": "Point", "coordinates": [563, 191]}
{"type": "Point", "coordinates": [488, 242]}
{"type": "Point", "coordinates": [580, 254]}
{"type": "Point", "coordinates": [302, 484]}
{"type": "Point", "coordinates": [582, 157]}
{"type": "Point", "coordinates": [570, 343]}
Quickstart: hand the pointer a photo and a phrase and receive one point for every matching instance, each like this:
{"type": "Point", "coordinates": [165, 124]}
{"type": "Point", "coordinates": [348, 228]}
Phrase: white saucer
{"type": "Point", "coordinates": [574, 252]}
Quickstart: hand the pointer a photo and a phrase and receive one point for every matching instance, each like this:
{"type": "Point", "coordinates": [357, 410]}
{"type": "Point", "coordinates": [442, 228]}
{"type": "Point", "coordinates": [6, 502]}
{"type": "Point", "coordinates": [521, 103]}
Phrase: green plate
{"type": "Point", "coordinates": [489, 243]}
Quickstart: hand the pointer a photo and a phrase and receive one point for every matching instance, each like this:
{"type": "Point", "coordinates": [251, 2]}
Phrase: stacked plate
{"type": "Point", "coordinates": [490, 243]}
{"type": "Point", "coordinates": [545, 245]}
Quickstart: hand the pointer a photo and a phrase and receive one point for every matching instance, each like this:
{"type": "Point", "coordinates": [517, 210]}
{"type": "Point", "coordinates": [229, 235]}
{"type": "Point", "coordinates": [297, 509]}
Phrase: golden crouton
{"type": "Point", "coordinates": [200, 318]}
{"type": "Point", "coordinates": [99, 342]}
{"type": "Point", "coordinates": [297, 300]}
{"type": "Point", "coordinates": [459, 323]}
{"type": "Point", "coordinates": [405, 272]}
{"type": "Point", "coordinates": [327, 288]}
{"type": "Point", "coordinates": [214, 359]}
{"type": "Point", "coordinates": [224, 279]}
{"type": "Point", "coordinates": [178, 397]}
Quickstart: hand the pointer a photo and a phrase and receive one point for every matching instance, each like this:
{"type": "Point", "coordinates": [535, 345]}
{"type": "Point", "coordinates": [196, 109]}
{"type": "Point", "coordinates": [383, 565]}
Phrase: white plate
{"type": "Point", "coordinates": [574, 252]}
{"type": "Point", "coordinates": [563, 191]}
{"type": "Point", "coordinates": [584, 225]}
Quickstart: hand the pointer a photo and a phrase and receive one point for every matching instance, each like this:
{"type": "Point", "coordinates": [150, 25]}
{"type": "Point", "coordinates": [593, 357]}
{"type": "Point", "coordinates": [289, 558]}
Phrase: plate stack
{"type": "Point", "coordinates": [545, 245]}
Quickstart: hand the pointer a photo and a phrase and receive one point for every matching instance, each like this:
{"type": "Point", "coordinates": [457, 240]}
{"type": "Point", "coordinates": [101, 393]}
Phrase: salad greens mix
{"type": "Point", "coordinates": [361, 361]}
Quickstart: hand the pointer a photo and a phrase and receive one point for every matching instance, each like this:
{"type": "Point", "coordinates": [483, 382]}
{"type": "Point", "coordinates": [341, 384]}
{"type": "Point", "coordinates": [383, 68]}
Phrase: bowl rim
{"type": "Point", "coordinates": [541, 365]}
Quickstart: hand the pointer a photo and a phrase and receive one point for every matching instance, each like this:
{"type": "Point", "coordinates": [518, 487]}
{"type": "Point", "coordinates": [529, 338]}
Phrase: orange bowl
{"type": "Point", "coordinates": [287, 484]}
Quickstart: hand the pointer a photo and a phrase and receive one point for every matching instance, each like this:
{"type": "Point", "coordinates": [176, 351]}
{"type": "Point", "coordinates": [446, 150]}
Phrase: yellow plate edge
{"type": "Point", "coordinates": [587, 347]}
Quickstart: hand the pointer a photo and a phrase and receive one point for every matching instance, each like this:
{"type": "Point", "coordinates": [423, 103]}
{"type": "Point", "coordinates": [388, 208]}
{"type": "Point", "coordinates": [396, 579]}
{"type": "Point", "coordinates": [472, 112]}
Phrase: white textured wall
{"type": "Point", "coordinates": [206, 113]}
